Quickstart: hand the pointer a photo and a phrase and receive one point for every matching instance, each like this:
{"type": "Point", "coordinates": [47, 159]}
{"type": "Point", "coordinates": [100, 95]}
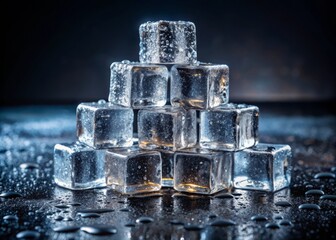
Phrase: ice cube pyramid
{"type": "Point", "coordinates": [169, 149]}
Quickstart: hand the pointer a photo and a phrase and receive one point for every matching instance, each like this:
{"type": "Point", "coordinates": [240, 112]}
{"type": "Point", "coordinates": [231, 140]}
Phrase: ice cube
{"type": "Point", "coordinates": [103, 125]}
{"type": "Point", "coordinates": [138, 85]}
{"type": "Point", "coordinates": [132, 170]}
{"type": "Point", "coordinates": [168, 42]}
{"type": "Point", "coordinates": [202, 171]}
{"type": "Point", "coordinates": [230, 127]}
{"type": "Point", "coordinates": [201, 86]}
{"type": "Point", "coordinates": [167, 128]}
{"type": "Point", "coordinates": [77, 166]}
{"type": "Point", "coordinates": [264, 167]}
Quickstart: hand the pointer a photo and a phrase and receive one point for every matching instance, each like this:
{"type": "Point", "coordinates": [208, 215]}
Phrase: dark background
{"type": "Point", "coordinates": [60, 51]}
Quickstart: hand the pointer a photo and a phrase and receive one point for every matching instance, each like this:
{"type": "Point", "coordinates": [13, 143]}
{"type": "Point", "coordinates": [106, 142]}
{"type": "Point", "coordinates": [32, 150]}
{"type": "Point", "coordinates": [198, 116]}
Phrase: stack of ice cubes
{"type": "Point", "coordinates": [199, 143]}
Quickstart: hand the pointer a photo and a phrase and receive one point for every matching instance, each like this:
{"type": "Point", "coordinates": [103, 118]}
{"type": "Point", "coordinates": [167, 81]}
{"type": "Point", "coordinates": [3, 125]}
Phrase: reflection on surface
{"type": "Point", "coordinates": [26, 167]}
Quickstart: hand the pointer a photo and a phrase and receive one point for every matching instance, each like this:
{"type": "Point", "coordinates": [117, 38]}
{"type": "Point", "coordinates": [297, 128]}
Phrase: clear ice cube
{"type": "Point", "coordinates": [202, 171]}
{"type": "Point", "coordinates": [167, 128]}
{"type": "Point", "coordinates": [230, 127]}
{"type": "Point", "coordinates": [103, 125]}
{"type": "Point", "coordinates": [132, 170]}
{"type": "Point", "coordinates": [138, 85]}
{"type": "Point", "coordinates": [77, 166]}
{"type": "Point", "coordinates": [265, 167]}
{"type": "Point", "coordinates": [201, 86]}
{"type": "Point", "coordinates": [168, 42]}
{"type": "Point", "coordinates": [167, 168]}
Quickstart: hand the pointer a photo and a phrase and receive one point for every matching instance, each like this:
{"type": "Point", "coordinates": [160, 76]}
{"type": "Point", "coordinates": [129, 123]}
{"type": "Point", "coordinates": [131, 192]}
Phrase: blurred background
{"type": "Point", "coordinates": [61, 51]}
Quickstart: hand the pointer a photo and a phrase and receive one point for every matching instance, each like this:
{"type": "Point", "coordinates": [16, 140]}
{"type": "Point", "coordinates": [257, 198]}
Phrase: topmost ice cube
{"type": "Point", "coordinates": [168, 42]}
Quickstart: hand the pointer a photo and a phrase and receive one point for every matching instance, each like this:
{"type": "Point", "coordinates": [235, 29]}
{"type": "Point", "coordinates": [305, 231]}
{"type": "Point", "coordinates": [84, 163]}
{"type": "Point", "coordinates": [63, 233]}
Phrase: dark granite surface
{"type": "Point", "coordinates": [28, 134]}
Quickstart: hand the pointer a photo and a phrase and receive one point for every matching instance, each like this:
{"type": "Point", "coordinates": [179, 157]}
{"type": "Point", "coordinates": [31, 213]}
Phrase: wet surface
{"type": "Point", "coordinates": [32, 206]}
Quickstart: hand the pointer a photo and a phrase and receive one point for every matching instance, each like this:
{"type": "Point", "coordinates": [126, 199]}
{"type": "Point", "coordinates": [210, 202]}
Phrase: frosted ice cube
{"type": "Point", "coordinates": [103, 125]}
{"type": "Point", "coordinates": [167, 128]}
{"type": "Point", "coordinates": [265, 167]}
{"type": "Point", "coordinates": [168, 42]}
{"type": "Point", "coordinates": [132, 170]}
{"type": "Point", "coordinates": [230, 127]}
{"type": "Point", "coordinates": [202, 171]}
{"type": "Point", "coordinates": [138, 85]}
{"type": "Point", "coordinates": [201, 86]}
{"type": "Point", "coordinates": [77, 166]}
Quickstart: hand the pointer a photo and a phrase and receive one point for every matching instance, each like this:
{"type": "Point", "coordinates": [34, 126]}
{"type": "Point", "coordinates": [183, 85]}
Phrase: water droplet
{"type": "Point", "coordinates": [29, 166]}
{"type": "Point", "coordinates": [144, 220]}
{"type": "Point", "coordinates": [212, 215]}
{"type": "Point", "coordinates": [129, 225]}
{"type": "Point", "coordinates": [193, 227]}
{"type": "Point", "coordinates": [258, 218]}
{"type": "Point", "coordinates": [74, 204]}
{"type": "Point", "coordinates": [10, 218]}
{"type": "Point", "coordinates": [222, 223]}
{"type": "Point", "coordinates": [224, 195]}
{"type": "Point", "coordinates": [67, 219]}
{"type": "Point", "coordinates": [309, 206]}
{"type": "Point", "coordinates": [278, 217]}
{"type": "Point", "coordinates": [89, 215]}
{"type": "Point", "coordinates": [328, 197]}
{"type": "Point", "coordinates": [283, 204]}
{"type": "Point", "coordinates": [58, 218]}
{"type": "Point", "coordinates": [28, 235]}
{"type": "Point", "coordinates": [236, 194]}
{"type": "Point", "coordinates": [101, 101]}
{"type": "Point", "coordinates": [272, 225]}
{"type": "Point", "coordinates": [101, 210]}
{"type": "Point", "coordinates": [325, 175]}
{"type": "Point", "coordinates": [270, 149]}
{"type": "Point", "coordinates": [162, 27]}
{"type": "Point", "coordinates": [285, 223]}
{"type": "Point", "coordinates": [314, 192]}
{"type": "Point", "coordinates": [66, 229]}
{"type": "Point", "coordinates": [10, 195]}
{"type": "Point", "coordinates": [61, 206]}
{"type": "Point", "coordinates": [176, 222]}
{"type": "Point", "coordinates": [99, 229]}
